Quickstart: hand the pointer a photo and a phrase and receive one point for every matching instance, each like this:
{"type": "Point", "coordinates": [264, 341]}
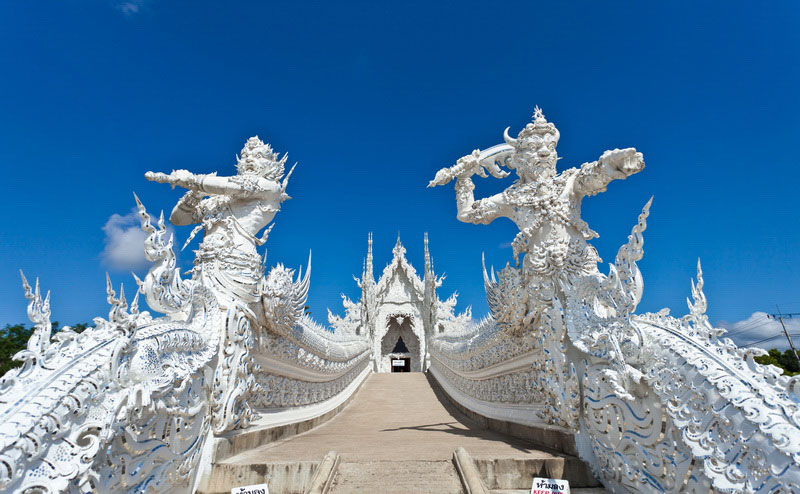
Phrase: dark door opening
{"type": "Point", "coordinates": [400, 364]}
{"type": "Point", "coordinates": [400, 346]}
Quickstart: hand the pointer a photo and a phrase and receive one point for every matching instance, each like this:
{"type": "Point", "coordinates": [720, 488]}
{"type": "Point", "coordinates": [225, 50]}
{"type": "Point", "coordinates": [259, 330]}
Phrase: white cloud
{"type": "Point", "coordinates": [130, 7]}
{"type": "Point", "coordinates": [124, 241]}
{"type": "Point", "coordinates": [758, 327]}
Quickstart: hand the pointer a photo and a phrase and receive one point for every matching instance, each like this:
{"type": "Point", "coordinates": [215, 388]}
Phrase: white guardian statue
{"type": "Point", "coordinates": [654, 403]}
{"type": "Point", "coordinates": [133, 403]}
{"type": "Point", "coordinates": [545, 206]}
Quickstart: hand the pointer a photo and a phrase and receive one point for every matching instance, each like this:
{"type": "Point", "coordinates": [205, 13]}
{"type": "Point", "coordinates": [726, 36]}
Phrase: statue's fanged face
{"type": "Point", "coordinates": [535, 147]}
{"type": "Point", "coordinates": [536, 154]}
{"type": "Point", "coordinates": [258, 158]}
{"type": "Point", "coordinates": [249, 165]}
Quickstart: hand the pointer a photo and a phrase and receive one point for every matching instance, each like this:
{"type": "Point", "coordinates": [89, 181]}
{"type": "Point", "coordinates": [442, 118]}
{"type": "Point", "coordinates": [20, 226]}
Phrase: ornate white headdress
{"type": "Point", "coordinates": [258, 158]}
{"type": "Point", "coordinates": [539, 127]}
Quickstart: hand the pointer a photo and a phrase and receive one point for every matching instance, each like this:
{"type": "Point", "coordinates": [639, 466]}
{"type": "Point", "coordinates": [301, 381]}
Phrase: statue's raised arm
{"type": "Point", "coordinates": [476, 163]}
{"type": "Point", "coordinates": [593, 178]}
{"type": "Point", "coordinates": [231, 210]}
{"type": "Point", "coordinates": [212, 184]}
{"type": "Point", "coordinates": [257, 182]}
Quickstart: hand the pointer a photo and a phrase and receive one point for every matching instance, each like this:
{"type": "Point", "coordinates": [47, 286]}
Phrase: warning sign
{"type": "Point", "coordinates": [549, 486]}
{"type": "Point", "coordinates": [251, 489]}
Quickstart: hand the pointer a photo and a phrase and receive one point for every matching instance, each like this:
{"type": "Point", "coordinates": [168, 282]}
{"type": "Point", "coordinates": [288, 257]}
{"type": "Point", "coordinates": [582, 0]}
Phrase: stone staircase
{"type": "Point", "coordinates": [398, 436]}
{"type": "Point", "coordinates": [397, 477]}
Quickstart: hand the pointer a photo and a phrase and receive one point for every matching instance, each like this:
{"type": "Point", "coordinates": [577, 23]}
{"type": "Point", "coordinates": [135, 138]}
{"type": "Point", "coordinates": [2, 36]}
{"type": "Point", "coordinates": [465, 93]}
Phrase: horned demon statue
{"type": "Point", "coordinates": [545, 206]}
{"type": "Point", "coordinates": [655, 403]}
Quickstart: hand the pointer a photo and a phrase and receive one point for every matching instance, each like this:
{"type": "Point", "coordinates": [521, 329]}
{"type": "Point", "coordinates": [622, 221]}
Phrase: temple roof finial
{"type": "Point", "coordinates": [398, 249]}
{"type": "Point", "coordinates": [368, 261]}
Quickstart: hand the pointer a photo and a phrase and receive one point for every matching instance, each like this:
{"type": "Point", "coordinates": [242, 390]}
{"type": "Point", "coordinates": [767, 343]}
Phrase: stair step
{"type": "Point", "coordinates": [577, 490]}
{"type": "Point", "coordinates": [282, 477]}
{"type": "Point", "coordinates": [397, 477]}
{"type": "Point", "coordinates": [517, 473]}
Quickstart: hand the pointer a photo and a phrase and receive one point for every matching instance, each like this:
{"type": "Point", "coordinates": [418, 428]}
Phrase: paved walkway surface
{"type": "Point", "coordinates": [393, 417]}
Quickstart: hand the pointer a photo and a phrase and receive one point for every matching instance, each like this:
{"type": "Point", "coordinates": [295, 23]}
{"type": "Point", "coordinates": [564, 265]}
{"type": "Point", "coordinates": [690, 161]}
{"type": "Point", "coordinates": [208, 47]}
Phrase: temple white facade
{"type": "Point", "coordinates": [399, 312]}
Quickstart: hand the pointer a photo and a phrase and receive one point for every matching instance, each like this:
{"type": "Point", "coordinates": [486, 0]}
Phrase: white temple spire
{"type": "Point", "coordinates": [368, 263]}
{"type": "Point", "coordinates": [399, 250]}
{"type": "Point", "coordinates": [427, 256]}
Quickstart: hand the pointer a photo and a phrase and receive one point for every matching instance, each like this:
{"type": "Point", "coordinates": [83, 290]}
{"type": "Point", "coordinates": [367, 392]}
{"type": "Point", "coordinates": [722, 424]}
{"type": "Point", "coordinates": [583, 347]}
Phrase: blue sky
{"type": "Point", "coordinates": [371, 99]}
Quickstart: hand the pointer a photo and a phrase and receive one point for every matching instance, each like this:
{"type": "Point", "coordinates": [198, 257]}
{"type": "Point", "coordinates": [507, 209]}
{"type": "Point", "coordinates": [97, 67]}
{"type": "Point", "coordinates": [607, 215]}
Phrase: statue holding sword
{"type": "Point", "coordinates": [545, 206]}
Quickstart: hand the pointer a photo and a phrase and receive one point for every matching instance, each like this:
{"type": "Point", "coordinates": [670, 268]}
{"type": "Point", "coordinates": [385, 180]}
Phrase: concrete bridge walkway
{"type": "Point", "coordinates": [398, 436]}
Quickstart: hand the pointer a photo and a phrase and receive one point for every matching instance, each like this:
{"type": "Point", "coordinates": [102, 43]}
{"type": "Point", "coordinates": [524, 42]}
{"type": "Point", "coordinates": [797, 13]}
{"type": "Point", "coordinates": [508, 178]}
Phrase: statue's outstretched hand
{"type": "Point", "coordinates": [181, 178]}
{"type": "Point", "coordinates": [157, 177]}
{"type": "Point", "coordinates": [621, 163]}
{"type": "Point", "coordinates": [466, 167]}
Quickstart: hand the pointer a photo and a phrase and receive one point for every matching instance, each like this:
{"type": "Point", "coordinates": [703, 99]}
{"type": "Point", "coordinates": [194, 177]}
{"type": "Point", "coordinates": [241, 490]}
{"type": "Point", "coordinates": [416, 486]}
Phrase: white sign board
{"type": "Point", "coordinates": [398, 363]}
{"type": "Point", "coordinates": [549, 486]}
{"type": "Point", "coordinates": [251, 489]}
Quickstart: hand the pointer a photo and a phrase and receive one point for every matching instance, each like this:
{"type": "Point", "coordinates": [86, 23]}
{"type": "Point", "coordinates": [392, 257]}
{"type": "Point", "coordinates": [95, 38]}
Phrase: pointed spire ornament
{"type": "Point", "coordinates": [368, 275]}
{"type": "Point", "coordinates": [398, 249]}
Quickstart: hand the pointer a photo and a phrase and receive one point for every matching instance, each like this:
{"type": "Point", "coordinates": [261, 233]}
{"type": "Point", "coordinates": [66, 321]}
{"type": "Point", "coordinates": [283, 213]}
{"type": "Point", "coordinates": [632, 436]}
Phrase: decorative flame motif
{"type": "Point", "coordinates": [284, 299]}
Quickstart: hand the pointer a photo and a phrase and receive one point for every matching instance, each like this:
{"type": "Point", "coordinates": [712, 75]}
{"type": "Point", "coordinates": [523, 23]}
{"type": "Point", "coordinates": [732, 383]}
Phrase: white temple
{"type": "Point", "coordinates": [400, 312]}
{"type": "Point", "coordinates": [165, 403]}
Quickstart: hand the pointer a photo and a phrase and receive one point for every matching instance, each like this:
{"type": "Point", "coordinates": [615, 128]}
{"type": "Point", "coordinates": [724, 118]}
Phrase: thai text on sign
{"type": "Point", "coordinates": [251, 489]}
{"type": "Point", "coordinates": [549, 486]}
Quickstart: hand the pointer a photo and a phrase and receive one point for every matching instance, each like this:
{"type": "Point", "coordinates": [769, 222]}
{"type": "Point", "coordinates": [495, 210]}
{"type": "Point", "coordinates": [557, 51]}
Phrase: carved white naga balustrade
{"type": "Point", "coordinates": [129, 404]}
{"type": "Point", "coordinates": [656, 403]}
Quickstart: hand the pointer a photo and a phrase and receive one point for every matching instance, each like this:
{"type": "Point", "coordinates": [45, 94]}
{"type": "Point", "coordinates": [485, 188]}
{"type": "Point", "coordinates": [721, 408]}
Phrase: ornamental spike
{"type": "Point", "coordinates": [25, 285]}
{"type": "Point", "coordinates": [135, 302]}
{"type": "Point", "coordinates": [285, 182]}
{"type": "Point", "coordinates": [110, 293]}
{"type": "Point", "coordinates": [509, 140]}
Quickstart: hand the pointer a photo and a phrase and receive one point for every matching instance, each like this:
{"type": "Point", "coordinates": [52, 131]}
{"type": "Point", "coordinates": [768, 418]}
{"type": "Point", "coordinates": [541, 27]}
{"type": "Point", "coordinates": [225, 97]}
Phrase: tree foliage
{"type": "Point", "coordinates": [15, 338]}
{"type": "Point", "coordinates": [785, 360]}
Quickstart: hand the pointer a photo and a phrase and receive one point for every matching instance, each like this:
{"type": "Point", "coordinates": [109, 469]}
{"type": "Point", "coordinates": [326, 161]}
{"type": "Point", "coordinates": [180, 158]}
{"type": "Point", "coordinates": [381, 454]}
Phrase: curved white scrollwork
{"type": "Point", "coordinates": [89, 411]}
{"type": "Point", "coordinates": [284, 299]}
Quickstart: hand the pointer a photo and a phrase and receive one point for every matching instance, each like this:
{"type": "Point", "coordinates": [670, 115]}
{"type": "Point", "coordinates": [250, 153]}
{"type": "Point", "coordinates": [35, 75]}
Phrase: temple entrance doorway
{"type": "Point", "coordinates": [400, 347]}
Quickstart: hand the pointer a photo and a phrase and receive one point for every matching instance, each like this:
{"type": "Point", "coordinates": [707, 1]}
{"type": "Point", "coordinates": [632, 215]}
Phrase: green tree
{"type": "Point", "coordinates": [15, 338]}
{"type": "Point", "coordinates": [785, 360]}
{"type": "Point", "coordinates": [12, 339]}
